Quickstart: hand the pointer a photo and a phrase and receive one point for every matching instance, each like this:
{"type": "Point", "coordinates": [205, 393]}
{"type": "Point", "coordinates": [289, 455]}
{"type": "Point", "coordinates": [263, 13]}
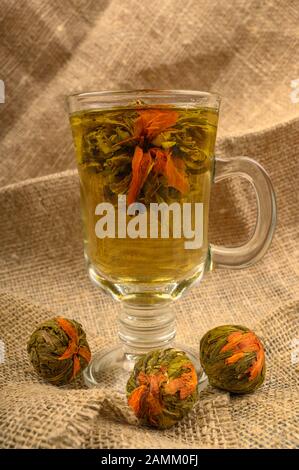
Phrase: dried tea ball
{"type": "Point", "coordinates": [233, 358]}
{"type": "Point", "coordinates": [162, 388]}
{"type": "Point", "coordinates": [58, 350]}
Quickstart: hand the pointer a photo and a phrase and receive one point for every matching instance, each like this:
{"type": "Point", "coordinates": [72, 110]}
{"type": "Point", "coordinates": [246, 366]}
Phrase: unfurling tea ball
{"type": "Point", "coordinates": [162, 388]}
{"type": "Point", "coordinates": [58, 350]}
{"type": "Point", "coordinates": [233, 358]}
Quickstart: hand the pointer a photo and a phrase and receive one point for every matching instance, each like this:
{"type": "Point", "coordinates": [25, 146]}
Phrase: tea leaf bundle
{"type": "Point", "coordinates": [58, 350]}
{"type": "Point", "coordinates": [162, 388]}
{"type": "Point", "coordinates": [233, 358]}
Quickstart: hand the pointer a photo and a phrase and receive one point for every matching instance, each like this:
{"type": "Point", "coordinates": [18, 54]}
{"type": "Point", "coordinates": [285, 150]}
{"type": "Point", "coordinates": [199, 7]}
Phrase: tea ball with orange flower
{"type": "Point", "coordinates": [58, 350]}
{"type": "Point", "coordinates": [162, 388]}
{"type": "Point", "coordinates": [233, 358]}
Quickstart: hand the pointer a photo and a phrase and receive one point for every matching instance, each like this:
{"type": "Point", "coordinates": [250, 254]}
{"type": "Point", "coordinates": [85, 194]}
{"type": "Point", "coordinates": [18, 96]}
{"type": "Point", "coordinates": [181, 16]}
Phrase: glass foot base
{"type": "Point", "coordinates": [111, 369]}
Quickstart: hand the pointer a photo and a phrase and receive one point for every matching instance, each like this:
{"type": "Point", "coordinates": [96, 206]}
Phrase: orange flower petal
{"type": "Point", "coordinates": [71, 332]}
{"type": "Point", "coordinates": [70, 351]}
{"type": "Point", "coordinates": [256, 368]}
{"type": "Point", "coordinates": [173, 170]}
{"type": "Point", "coordinates": [77, 366]}
{"type": "Point", "coordinates": [85, 353]}
{"type": "Point", "coordinates": [234, 358]}
{"type": "Point", "coordinates": [141, 166]}
{"type": "Point", "coordinates": [67, 327]}
{"type": "Point", "coordinates": [136, 398]}
{"type": "Point", "coordinates": [232, 340]}
{"type": "Point", "coordinates": [153, 121]}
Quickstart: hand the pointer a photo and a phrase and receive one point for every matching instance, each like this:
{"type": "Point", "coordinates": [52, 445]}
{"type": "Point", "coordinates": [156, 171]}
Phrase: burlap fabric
{"type": "Point", "coordinates": [246, 50]}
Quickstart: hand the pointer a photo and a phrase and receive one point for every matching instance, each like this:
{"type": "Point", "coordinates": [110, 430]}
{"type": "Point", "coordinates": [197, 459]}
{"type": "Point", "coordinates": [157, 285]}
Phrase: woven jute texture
{"type": "Point", "coordinates": [248, 52]}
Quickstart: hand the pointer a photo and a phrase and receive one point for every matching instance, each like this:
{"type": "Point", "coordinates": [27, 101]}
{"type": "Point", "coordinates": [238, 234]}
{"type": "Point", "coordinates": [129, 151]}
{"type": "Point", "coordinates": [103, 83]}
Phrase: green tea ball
{"type": "Point", "coordinates": [58, 350]}
{"type": "Point", "coordinates": [233, 358]}
{"type": "Point", "coordinates": [162, 388]}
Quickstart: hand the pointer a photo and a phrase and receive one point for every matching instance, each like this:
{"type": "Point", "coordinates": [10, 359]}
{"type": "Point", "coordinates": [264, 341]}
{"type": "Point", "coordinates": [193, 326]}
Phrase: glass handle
{"type": "Point", "coordinates": [254, 249]}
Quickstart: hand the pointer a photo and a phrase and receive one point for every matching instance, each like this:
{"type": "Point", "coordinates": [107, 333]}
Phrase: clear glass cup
{"type": "Point", "coordinates": [147, 167]}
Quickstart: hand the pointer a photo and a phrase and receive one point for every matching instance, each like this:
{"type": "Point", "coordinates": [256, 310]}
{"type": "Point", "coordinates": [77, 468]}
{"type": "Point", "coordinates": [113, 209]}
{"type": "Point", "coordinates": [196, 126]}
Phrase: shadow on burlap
{"type": "Point", "coordinates": [248, 60]}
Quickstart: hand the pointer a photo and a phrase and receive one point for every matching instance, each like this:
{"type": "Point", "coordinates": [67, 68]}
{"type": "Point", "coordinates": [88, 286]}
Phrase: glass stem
{"type": "Point", "coordinates": [144, 329]}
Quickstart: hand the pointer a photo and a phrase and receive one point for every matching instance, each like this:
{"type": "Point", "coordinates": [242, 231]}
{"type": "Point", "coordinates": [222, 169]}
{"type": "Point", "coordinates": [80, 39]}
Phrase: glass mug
{"type": "Point", "coordinates": [146, 165]}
